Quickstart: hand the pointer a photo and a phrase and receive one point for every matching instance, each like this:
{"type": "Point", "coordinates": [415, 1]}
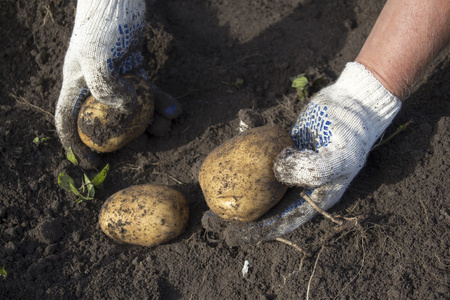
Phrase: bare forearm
{"type": "Point", "coordinates": [408, 34]}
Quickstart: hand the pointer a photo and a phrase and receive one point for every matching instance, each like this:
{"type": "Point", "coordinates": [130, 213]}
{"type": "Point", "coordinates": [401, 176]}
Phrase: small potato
{"type": "Point", "coordinates": [145, 215]}
{"type": "Point", "coordinates": [107, 129]}
{"type": "Point", "coordinates": [237, 178]}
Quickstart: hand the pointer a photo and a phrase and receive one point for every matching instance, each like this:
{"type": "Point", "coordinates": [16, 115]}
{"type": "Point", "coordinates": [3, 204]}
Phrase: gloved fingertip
{"type": "Point", "coordinates": [82, 96]}
{"type": "Point", "coordinates": [305, 168]}
{"type": "Point", "coordinates": [237, 235]}
{"type": "Point", "coordinates": [168, 107]}
{"type": "Point", "coordinates": [93, 157]}
{"type": "Point", "coordinates": [91, 162]}
{"type": "Point", "coordinates": [165, 104]}
{"type": "Point", "coordinates": [88, 159]}
{"type": "Point", "coordinates": [160, 126]}
{"type": "Point", "coordinates": [171, 110]}
{"type": "Point", "coordinates": [212, 222]}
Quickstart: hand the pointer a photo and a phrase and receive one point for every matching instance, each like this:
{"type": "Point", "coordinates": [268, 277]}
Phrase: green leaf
{"type": "Point", "coordinates": [45, 141]}
{"type": "Point", "coordinates": [91, 193]}
{"type": "Point", "coordinates": [3, 272]}
{"type": "Point", "coordinates": [239, 82]}
{"type": "Point", "coordinates": [300, 83]}
{"type": "Point", "coordinates": [74, 190]}
{"type": "Point", "coordinates": [293, 78]}
{"type": "Point", "coordinates": [100, 177]}
{"type": "Point", "coordinates": [65, 181]}
{"type": "Point", "coordinates": [90, 187]}
{"type": "Point", "coordinates": [71, 157]}
{"type": "Point", "coordinates": [83, 186]}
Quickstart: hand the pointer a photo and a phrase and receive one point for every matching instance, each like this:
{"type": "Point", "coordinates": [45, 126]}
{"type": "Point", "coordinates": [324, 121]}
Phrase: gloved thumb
{"type": "Point", "coordinates": [166, 105]}
{"type": "Point", "coordinates": [306, 168]}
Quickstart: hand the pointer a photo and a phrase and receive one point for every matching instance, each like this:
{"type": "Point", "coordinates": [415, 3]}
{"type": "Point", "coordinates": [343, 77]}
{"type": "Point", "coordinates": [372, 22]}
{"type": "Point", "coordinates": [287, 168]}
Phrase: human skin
{"type": "Point", "coordinates": [407, 35]}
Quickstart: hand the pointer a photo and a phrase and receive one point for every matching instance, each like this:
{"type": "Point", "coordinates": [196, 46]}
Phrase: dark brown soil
{"type": "Point", "coordinates": [53, 248]}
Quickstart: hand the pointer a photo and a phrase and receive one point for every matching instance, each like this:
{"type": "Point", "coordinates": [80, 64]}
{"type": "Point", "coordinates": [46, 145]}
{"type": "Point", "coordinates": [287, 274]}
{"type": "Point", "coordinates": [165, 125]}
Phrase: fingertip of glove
{"type": "Point", "coordinates": [160, 126]}
{"type": "Point", "coordinates": [90, 160]}
{"type": "Point", "coordinates": [212, 222]}
{"type": "Point", "coordinates": [89, 164]}
{"type": "Point", "coordinates": [166, 105]}
{"type": "Point", "coordinates": [173, 110]}
{"type": "Point", "coordinates": [238, 235]}
{"type": "Point", "coordinates": [282, 169]}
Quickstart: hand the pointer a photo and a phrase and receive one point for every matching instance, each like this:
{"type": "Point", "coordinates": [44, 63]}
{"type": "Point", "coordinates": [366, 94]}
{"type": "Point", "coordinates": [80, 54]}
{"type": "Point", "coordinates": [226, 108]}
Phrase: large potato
{"type": "Point", "coordinates": [107, 129]}
{"type": "Point", "coordinates": [145, 215]}
{"type": "Point", "coordinates": [237, 178]}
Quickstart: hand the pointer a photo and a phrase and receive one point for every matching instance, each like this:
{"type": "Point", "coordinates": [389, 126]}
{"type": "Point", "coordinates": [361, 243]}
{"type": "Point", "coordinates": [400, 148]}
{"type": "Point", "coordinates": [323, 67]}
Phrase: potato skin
{"type": "Point", "coordinates": [145, 215]}
{"type": "Point", "coordinates": [237, 177]}
{"type": "Point", "coordinates": [106, 129]}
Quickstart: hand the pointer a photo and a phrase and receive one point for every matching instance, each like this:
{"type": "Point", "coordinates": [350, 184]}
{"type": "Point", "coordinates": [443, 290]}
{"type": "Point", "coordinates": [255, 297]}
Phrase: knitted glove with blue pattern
{"type": "Point", "coordinates": [105, 44]}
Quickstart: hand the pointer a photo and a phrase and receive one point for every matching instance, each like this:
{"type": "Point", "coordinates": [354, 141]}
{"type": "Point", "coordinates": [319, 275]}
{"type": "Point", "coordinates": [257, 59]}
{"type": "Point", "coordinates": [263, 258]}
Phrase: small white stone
{"type": "Point", "coordinates": [247, 265]}
{"type": "Point", "coordinates": [242, 126]}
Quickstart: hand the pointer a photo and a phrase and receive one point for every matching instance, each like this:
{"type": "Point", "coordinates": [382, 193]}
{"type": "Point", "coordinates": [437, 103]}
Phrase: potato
{"type": "Point", "coordinates": [107, 129]}
{"type": "Point", "coordinates": [237, 178]}
{"type": "Point", "coordinates": [144, 215]}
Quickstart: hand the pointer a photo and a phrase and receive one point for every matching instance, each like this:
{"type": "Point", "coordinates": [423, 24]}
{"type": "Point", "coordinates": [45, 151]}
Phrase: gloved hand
{"type": "Point", "coordinates": [333, 136]}
{"type": "Point", "coordinates": [106, 43]}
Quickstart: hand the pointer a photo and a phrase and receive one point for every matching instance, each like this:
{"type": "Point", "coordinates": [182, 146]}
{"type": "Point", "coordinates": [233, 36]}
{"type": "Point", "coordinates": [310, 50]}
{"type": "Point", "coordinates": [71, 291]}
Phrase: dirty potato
{"type": "Point", "coordinates": [237, 178]}
{"type": "Point", "coordinates": [145, 215]}
{"type": "Point", "coordinates": [107, 129]}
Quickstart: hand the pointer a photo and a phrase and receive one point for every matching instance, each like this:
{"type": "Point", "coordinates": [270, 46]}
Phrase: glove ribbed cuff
{"type": "Point", "coordinates": [360, 84]}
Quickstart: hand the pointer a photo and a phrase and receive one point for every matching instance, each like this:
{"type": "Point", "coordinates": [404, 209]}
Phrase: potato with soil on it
{"type": "Point", "coordinates": [107, 129]}
{"type": "Point", "coordinates": [237, 178]}
{"type": "Point", "coordinates": [145, 215]}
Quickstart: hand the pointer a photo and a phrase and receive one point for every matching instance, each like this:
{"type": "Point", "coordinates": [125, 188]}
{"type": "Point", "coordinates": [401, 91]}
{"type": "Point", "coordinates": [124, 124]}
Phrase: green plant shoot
{"type": "Point", "coordinates": [100, 176]}
{"type": "Point", "coordinates": [87, 189]}
{"type": "Point", "coordinates": [303, 85]}
{"type": "Point", "coordinates": [90, 187]}
{"type": "Point", "coordinates": [3, 272]}
{"type": "Point", "coordinates": [399, 129]}
{"type": "Point", "coordinates": [237, 84]}
{"type": "Point", "coordinates": [300, 83]}
{"type": "Point", "coordinates": [44, 141]}
{"type": "Point", "coordinates": [71, 157]}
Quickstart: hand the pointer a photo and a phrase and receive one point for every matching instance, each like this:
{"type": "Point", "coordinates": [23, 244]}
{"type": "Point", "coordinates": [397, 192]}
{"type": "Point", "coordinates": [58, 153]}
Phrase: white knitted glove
{"type": "Point", "coordinates": [105, 43]}
{"type": "Point", "coordinates": [333, 136]}
{"type": "Point", "coordinates": [335, 133]}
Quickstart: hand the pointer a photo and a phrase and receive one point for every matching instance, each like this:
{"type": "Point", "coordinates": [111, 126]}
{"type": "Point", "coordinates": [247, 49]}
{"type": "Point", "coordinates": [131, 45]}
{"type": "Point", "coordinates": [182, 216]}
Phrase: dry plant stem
{"type": "Point", "coordinates": [359, 271]}
{"type": "Point", "coordinates": [304, 252]}
{"type": "Point", "coordinates": [424, 208]}
{"type": "Point", "coordinates": [312, 274]}
{"type": "Point", "coordinates": [171, 177]}
{"type": "Point", "coordinates": [399, 129]}
{"type": "Point", "coordinates": [23, 101]}
{"type": "Point", "coordinates": [203, 281]}
{"type": "Point", "coordinates": [319, 210]}
{"type": "Point", "coordinates": [47, 8]}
